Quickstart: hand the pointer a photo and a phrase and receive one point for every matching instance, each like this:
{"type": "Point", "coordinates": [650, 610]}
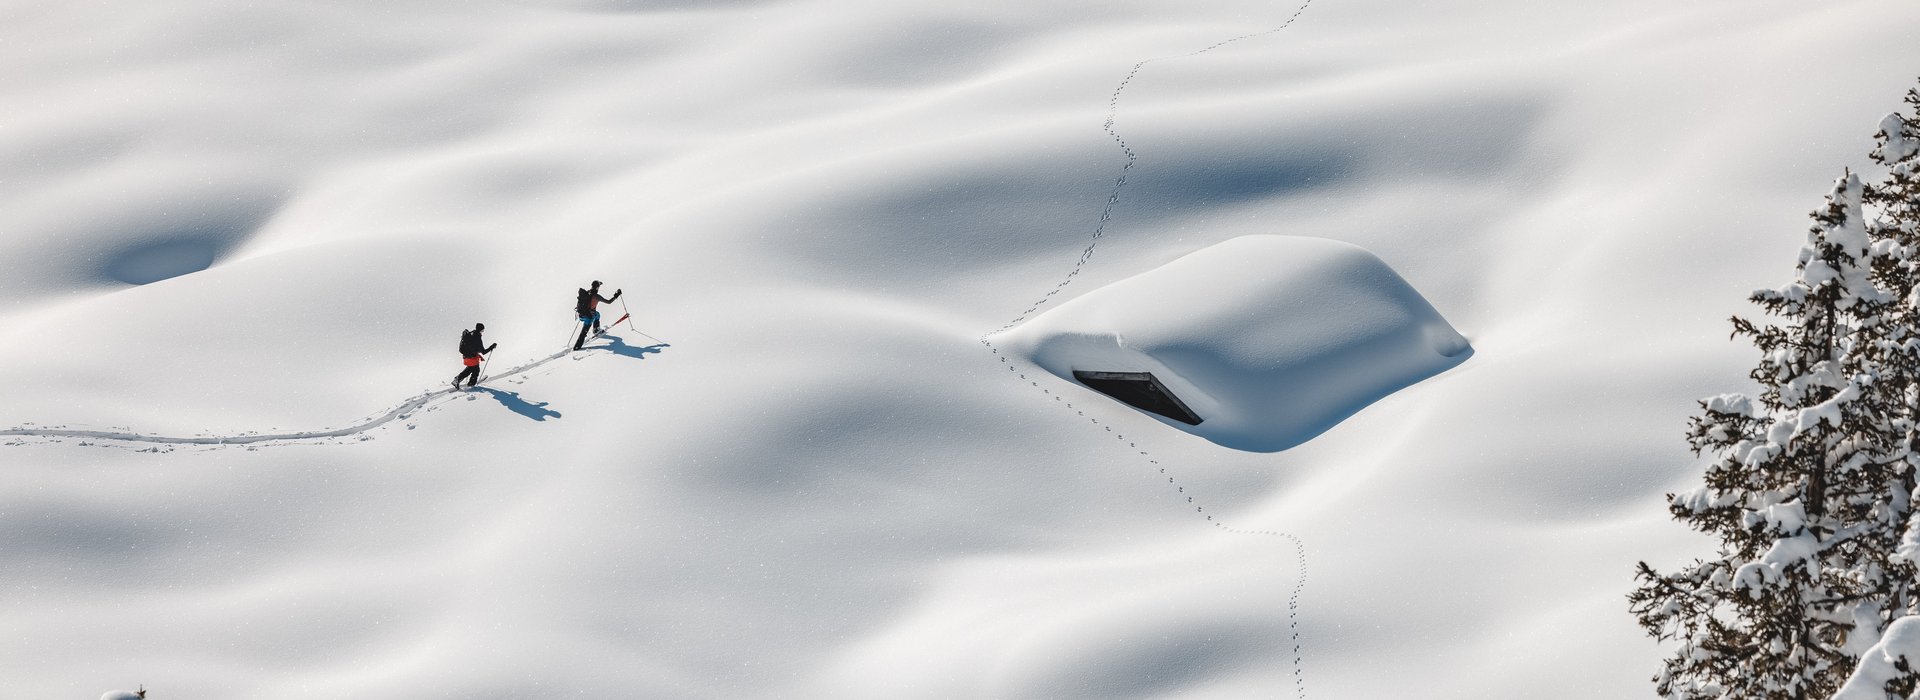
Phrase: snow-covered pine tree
{"type": "Point", "coordinates": [1898, 196]}
{"type": "Point", "coordinates": [1884, 672]}
{"type": "Point", "coordinates": [1897, 269]}
{"type": "Point", "coordinates": [1807, 489]}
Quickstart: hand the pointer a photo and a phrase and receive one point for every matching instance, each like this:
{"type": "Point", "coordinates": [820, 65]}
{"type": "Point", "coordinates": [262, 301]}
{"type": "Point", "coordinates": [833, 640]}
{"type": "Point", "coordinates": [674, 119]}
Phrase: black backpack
{"type": "Point", "coordinates": [580, 307]}
{"type": "Point", "coordinates": [464, 336]}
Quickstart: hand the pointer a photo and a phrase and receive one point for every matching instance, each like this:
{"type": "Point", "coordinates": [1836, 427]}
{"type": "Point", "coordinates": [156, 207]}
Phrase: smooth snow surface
{"type": "Point", "coordinates": [223, 218]}
{"type": "Point", "coordinates": [1270, 340]}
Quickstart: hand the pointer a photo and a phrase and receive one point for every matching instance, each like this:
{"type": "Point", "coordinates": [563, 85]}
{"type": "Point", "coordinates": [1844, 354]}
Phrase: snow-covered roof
{"type": "Point", "coordinates": [1270, 340]}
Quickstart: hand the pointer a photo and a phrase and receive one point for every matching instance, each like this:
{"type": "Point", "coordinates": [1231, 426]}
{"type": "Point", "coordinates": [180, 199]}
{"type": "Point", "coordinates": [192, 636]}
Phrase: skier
{"type": "Point", "coordinates": [471, 348]}
{"type": "Point", "coordinates": [586, 308]}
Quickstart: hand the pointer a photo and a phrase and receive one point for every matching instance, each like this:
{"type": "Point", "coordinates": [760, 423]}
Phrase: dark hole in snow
{"type": "Point", "coordinates": [1139, 390]}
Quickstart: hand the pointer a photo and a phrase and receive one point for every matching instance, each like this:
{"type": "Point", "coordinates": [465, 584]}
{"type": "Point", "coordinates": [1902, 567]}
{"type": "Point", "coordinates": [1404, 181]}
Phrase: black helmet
{"type": "Point", "coordinates": [596, 283]}
{"type": "Point", "coordinates": [479, 326]}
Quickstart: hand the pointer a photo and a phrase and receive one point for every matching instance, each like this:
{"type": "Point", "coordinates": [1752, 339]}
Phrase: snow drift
{"type": "Point", "coordinates": [1269, 340]}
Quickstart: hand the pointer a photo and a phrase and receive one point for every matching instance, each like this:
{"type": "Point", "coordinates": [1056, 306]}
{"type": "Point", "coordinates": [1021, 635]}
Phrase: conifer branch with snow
{"type": "Point", "coordinates": [1809, 484]}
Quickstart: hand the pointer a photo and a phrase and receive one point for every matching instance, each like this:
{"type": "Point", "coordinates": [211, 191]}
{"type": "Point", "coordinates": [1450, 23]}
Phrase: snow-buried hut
{"type": "Point", "coordinates": [1259, 343]}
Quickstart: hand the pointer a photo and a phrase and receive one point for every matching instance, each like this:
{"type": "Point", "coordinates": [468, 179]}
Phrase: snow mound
{"type": "Point", "coordinates": [121, 695]}
{"type": "Point", "coordinates": [1267, 340]}
{"type": "Point", "coordinates": [1881, 664]}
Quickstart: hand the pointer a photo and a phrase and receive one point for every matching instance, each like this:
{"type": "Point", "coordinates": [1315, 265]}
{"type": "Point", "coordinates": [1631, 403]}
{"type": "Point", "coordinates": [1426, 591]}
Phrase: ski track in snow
{"type": "Point", "coordinates": [406, 409]}
{"type": "Point", "coordinates": [1099, 232]}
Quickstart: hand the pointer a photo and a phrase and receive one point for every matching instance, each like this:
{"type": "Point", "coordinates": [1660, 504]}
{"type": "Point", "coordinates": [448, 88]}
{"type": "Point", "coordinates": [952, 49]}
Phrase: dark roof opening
{"type": "Point", "coordinates": [1139, 390]}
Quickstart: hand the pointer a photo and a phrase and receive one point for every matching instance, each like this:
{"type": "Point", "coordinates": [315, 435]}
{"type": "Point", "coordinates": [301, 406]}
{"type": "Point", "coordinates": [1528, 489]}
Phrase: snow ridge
{"type": "Point", "coordinates": [1099, 232]}
{"type": "Point", "coordinates": [404, 410]}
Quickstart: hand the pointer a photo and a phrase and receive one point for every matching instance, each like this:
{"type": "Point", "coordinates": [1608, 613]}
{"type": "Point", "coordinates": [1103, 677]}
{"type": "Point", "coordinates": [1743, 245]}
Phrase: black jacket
{"type": "Point", "coordinates": [471, 344]}
{"type": "Point", "coordinates": [588, 300]}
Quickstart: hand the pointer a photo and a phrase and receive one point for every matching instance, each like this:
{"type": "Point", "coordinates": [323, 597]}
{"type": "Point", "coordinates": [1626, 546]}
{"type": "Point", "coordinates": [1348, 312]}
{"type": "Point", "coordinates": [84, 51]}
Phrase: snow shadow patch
{"type": "Point", "coordinates": [626, 6]}
{"type": "Point", "coordinates": [1019, 210]}
{"type": "Point", "coordinates": [619, 346]}
{"type": "Point", "coordinates": [513, 402]}
{"type": "Point", "coordinates": [957, 220]}
{"type": "Point", "coordinates": [161, 260]}
{"type": "Point", "coordinates": [188, 246]}
{"type": "Point", "coordinates": [915, 55]}
{"type": "Point", "coordinates": [82, 541]}
{"type": "Point", "coordinates": [1237, 179]}
{"type": "Point", "coordinates": [1156, 665]}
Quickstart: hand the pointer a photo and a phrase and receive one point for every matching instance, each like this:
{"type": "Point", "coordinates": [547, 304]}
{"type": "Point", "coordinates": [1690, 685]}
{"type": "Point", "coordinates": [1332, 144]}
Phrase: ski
{"type": "Point", "coordinates": [607, 328]}
{"type": "Point", "coordinates": [603, 331]}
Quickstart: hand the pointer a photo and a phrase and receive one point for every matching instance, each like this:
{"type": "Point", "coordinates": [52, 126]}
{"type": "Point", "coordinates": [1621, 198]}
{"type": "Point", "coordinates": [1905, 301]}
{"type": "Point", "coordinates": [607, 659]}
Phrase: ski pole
{"type": "Point", "coordinates": [483, 368]}
{"type": "Point", "coordinates": [648, 337]}
{"type": "Point", "coordinates": [629, 314]}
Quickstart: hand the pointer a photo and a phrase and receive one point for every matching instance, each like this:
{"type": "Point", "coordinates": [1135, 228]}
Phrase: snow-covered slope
{"type": "Point", "coordinates": [820, 483]}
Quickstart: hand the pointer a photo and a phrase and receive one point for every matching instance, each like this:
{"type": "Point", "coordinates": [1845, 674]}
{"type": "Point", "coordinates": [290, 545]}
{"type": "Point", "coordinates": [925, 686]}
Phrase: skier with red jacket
{"type": "Point", "coordinates": [471, 348]}
{"type": "Point", "coordinates": [587, 308]}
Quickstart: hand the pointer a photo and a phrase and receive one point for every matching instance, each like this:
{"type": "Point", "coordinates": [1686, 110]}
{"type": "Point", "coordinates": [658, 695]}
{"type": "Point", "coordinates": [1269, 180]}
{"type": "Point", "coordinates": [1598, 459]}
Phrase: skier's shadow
{"type": "Point", "coordinates": [513, 402]}
{"type": "Point", "coordinates": [620, 347]}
